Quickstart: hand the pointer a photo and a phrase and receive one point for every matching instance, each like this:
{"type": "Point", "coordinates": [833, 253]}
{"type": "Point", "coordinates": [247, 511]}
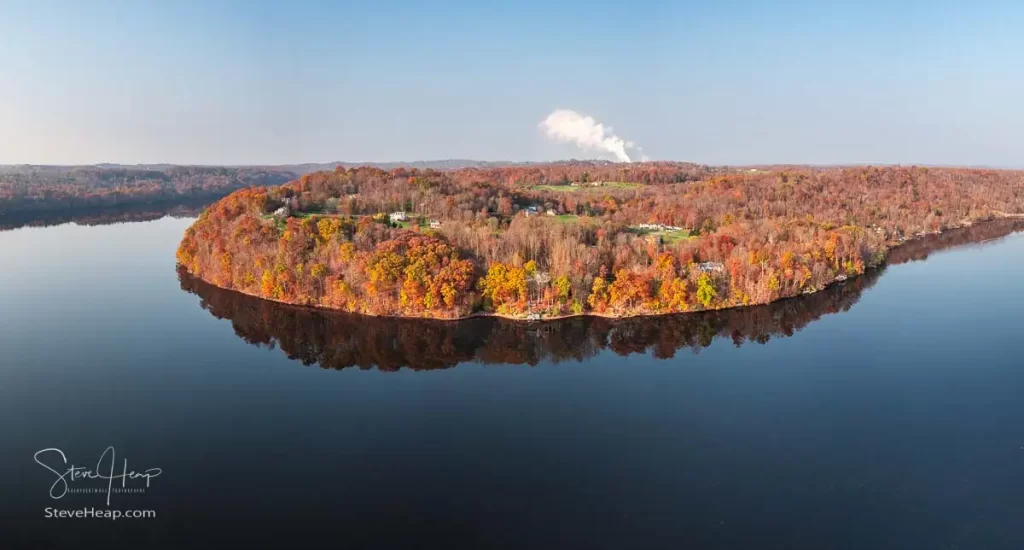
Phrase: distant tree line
{"type": "Point", "coordinates": [26, 189]}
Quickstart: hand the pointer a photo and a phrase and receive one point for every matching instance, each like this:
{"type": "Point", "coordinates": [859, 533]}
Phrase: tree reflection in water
{"type": "Point", "coordinates": [105, 215]}
{"type": "Point", "coordinates": [336, 340]}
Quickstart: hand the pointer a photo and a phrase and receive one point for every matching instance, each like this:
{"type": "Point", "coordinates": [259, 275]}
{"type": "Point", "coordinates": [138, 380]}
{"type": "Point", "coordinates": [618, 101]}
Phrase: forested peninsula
{"type": "Point", "coordinates": [574, 238]}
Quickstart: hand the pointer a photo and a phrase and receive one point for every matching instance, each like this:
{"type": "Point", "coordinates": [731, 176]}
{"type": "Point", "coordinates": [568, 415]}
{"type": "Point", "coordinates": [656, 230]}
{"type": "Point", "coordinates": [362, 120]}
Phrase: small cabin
{"type": "Point", "coordinates": [530, 211]}
{"type": "Point", "coordinates": [435, 224]}
{"type": "Point", "coordinates": [551, 212]}
{"type": "Point", "coordinates": [399, 216]}
{"type": "Point", "coordinates": [282, 212]}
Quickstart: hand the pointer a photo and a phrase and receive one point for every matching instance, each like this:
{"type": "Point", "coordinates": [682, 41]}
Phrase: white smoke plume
{"type": "Point", "coordinates": [588, 134]}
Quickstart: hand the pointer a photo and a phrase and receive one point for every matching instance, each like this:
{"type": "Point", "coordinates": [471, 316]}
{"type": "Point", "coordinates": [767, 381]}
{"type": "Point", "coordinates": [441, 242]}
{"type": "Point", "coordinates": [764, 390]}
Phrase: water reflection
{"type": "Point", "coordinates": [339, 340]}
{"type": "Point", "coordinates": [336, 340]}
{"type": "Point", "coordinates": [105, 215]}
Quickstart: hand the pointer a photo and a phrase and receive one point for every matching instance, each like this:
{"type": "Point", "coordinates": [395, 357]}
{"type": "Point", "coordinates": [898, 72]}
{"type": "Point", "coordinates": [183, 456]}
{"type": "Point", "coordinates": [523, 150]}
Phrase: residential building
{"type": "Point", "coordinates": [711, 267]}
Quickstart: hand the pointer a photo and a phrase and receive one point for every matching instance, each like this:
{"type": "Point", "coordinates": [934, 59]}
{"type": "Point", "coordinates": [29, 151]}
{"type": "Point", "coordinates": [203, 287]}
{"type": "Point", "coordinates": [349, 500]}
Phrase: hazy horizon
{"type": "Point", "coordinates": [736, 83]}
{"type": "Point", "coordinates": [511, 162]}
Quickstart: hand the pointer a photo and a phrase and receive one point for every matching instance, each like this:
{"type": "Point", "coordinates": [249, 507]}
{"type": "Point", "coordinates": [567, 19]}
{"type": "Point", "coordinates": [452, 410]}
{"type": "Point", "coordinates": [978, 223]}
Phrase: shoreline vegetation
{"type": "Point", "coordinates": [987, 230]}
{"type": "Point", "coordinates": [338, 340]}
{"type": "Point", "coordinates": [554, 241]}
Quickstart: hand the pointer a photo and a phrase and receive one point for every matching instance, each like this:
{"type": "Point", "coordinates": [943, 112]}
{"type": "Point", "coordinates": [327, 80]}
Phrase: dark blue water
{"type": "Point", "coordinates": [886, 413]}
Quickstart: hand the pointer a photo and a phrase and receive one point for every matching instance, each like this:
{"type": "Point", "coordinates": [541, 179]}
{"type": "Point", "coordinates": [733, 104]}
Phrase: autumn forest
{"type": "Point", "coordinates": [542, 241]}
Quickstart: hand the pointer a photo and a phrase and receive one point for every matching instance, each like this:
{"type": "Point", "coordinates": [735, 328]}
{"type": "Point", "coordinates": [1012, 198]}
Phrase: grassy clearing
{"type": "Point", "coordinates": [620, 185]}
{"type": "Point", "coordinates": [310, 214]}
{"type": "Point", "coordinates": [556, 188]}
{"type": "Point", "coordinates": [672, 237]}
{"type": "Point", "coordinates": [304, 215]}
{"type": "Point", "coordinates": [414, 222]}
{"type": "Point", "coordinates": [279, 223]}
{"type": "Point", "coordinates": [668, 236]}
{"type": "Point", "coordinates": [571, 219]}
{"type": "Point", "coordinates": [586, 187]}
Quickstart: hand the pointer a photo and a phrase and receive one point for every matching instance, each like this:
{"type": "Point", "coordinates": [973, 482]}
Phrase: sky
{"type": "Point", "coordinates": [724, 82]}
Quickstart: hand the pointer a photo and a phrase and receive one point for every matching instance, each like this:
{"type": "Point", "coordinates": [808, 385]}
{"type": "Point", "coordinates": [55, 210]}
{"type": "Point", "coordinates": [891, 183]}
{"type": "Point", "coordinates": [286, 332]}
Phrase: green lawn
{"type": "Point", "coordinates": [586, 187]}
{"type": "Point", "coordinates": [310, 214]}
{"type": "Point", "coordinates": [281, 222]}
{"type": "Point", "coordinates": [304, 215]}
{"type": "Point", "coordinates": [413, 222]}
{"type": "Point", "coordinates": [620, 185]}
{"type": "Point", "coordinates": [671, 236]}
{"type": "Point", "coordinates": [555, 188]}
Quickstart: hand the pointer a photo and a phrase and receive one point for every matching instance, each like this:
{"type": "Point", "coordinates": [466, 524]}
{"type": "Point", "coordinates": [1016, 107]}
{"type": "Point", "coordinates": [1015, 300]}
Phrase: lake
{"type": "Point", "coordinates": [882, 413]}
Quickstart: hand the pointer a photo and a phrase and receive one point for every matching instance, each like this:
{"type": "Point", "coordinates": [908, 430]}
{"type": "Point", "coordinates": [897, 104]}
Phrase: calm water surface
{"type": "Point", "coordinates": [886, 413]}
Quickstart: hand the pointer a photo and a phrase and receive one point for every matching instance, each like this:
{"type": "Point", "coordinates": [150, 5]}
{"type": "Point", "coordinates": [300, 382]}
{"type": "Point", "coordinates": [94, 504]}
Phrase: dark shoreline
{"type": "Point", "coordinates": [338, 340]}
{"type": "Point", "coordinates": [930, 242]}
{"type": "Point", "coordinates": [914, 249]}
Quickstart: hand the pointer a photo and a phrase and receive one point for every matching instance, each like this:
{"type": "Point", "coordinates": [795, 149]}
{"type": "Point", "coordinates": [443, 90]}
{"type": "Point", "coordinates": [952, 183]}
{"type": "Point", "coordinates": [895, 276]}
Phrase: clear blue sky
{"type": "Point", "coordinates": [718, 82]}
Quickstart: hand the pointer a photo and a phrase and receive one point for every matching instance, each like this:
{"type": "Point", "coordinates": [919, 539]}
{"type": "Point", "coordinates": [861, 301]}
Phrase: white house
{"type": "Point", "coordinates": [399, 216]}
{"type": "Point", "coordinates": [657, 227]}
{"type": "Point", "coordinates": [435, 224]}
{"type": "Point", "coordinates": [530, 211]}
{"type": "Point", "coordinates": [710, 267]}
{"type": "Point", "coordinates": [551, 212]}
{"type": "Point", "coordinates": [282, 212]}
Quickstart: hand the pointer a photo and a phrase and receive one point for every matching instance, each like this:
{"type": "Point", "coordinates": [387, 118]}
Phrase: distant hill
{"type": "Point", "coordinates": [26, 188]}
{"type": "Point", "coordinates": [443, 164]}
{"type": "Point", "coordinates": [299, 169]}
